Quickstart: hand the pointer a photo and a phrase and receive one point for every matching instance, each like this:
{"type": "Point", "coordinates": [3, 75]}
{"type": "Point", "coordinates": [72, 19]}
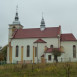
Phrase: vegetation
{"type": "Point", "coordinates": [56, 53]}
{"type": "Point", "coordinates": [39, 70]}
{"type": "Point", "coordinates": [3, 53]}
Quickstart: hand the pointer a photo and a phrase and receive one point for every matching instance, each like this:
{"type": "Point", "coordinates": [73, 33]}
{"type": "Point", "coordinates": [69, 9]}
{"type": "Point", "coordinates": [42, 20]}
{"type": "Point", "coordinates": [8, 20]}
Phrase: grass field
{"type": "Point", "coordinates": [39, 70]}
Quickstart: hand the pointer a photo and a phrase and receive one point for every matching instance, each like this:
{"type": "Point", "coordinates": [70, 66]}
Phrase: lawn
{"type": "Point", "coordinates": [39, 70]}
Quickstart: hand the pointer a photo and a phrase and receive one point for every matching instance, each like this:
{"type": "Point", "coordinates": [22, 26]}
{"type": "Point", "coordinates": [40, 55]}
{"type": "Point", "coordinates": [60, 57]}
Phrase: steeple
{"type": "Point", "coordinates": [16, 20]}
{"type": "Point", "coordinates": [42, 26]}
{"type": "Point", "coordinates": [14, 26]}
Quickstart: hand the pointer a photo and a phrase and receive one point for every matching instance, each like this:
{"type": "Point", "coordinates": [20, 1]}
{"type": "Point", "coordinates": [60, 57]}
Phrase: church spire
{"type": "Point", "coordinates": [16, 20]}
{"type": "Point", "coordinates": [42, 26]}
{"type": "Point", "coordinates": [16, 17]}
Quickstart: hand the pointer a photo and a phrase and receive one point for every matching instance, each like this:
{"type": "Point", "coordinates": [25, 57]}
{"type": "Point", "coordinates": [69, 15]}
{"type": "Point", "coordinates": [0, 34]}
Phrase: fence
{"type": "Point", "coordinates": [39, 61]}
{"type": "Point", "coordinates": [46, 61]}
{"type": "Point", "coordinates": [3, 62]}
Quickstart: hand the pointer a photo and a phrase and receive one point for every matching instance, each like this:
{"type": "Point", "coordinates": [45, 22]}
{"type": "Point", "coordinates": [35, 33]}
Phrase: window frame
{"type": "Point", "coordinates": [28, 51]}
{"type": "Point", "coordinates": [35, 51]}
{"type": "Point", "coordinates": [74, 51]}
{"type": "Point", "coordinates": [51, 46]}
{"type": "Point", "coordinates": [49, 58]}
{"type": "Point", "coordinates": [17, 51]}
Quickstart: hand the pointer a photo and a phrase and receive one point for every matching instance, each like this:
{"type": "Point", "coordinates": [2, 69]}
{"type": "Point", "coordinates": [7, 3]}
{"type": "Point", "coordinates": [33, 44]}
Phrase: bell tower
{"type": "Point", "coordinates": [15, 25]}
{"type": "Point", "coordinates": [12, 28]}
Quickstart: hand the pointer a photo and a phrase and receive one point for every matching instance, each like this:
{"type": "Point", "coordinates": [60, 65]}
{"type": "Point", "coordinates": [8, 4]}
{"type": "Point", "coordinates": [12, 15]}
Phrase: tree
{"type": "Point", "coordinates": [56, 52]}
{"type": "Point", "coordinates": [1, 57]}
{"type": "Point", "coordinates": [3, 53]}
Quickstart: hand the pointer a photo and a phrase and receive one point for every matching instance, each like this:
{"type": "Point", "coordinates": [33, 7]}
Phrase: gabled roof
{"type": "Point", "coordinates": [68, 37]}
{"type": "Point", "coordinates": [49, 50]}
{"type": "Point", "coordinates": [52, 32]}
{"type": "Point", "coordinates": [39, 41]}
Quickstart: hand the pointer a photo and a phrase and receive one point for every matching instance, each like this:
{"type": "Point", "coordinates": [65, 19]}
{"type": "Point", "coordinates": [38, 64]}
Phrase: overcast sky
{"type": "Point", "coordinates": [56, 12]}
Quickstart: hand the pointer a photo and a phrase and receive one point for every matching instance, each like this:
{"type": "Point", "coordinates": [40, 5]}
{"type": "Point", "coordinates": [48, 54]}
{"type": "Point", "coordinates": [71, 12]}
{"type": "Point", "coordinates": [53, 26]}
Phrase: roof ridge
{"type": "Point", "coordinates": [39, 28]}
{"type": "Point", "coordinates": [67, 33]}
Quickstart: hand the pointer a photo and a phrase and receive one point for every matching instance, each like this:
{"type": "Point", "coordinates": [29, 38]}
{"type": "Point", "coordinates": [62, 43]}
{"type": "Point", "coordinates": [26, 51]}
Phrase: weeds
{"type": "Point", "coordinates": [39, 70]}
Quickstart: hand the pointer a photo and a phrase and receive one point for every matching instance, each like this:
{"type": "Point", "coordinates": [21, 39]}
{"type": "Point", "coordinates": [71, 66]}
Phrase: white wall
{"type": "Point", "coordinates": [40, 50]}
{"type": "Point", "coordinates": [30, 41]}
{"type": "Point", "coordinates": [66, 56]}
{"type": "Point", "coordinates": [68, 50]}
{"type": "Point", "coordinates": [60, 58]}
{"type": "Point", "coordinates": [46, 57]}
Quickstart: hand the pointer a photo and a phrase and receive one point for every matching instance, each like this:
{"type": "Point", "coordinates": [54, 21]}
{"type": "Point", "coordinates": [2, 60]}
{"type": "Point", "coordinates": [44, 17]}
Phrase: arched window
{"type": "Point", "coordinates": [28, 51]}
{"type": "Point", "coordinates": [51, 46]}
{"type": "Point", "coordinates": [17, 50]}
{"type": "Point", "coordinates": [74, 51]}
{"type": "Point", "coordinates": [35, 51]}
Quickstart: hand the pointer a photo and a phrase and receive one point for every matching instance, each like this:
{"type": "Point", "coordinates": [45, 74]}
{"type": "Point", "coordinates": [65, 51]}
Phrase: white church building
{"type": "Point", "coordinates": [35, 45]}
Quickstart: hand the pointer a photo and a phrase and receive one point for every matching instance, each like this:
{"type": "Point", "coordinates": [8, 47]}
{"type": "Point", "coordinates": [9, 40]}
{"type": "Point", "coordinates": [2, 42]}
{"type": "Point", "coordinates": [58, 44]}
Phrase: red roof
{"type": "Point", "coordinates": [56, 48]}
{"type": "Point", "coordinates": [49, 50]}
{"type": "Point", "coordinates": [37, 33]}
{"type": "Point", "coordinates": [39, 41]}
{"type": "Point", "coordinates": [68, 37]}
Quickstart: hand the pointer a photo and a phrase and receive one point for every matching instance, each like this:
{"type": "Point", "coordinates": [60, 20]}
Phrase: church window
{"type": "Point", "coordinates": [74, 51]}
{"type": "Point", "coordinates": [28, 51]}
{"type": "Point", "coordinates": [51, 46]}
{"type": "Point", "coordinates": [35, 51]}
{"type": "Point", "coordinates": [17, 49]}
{"type": "Point", "coordinates": [49, 57]}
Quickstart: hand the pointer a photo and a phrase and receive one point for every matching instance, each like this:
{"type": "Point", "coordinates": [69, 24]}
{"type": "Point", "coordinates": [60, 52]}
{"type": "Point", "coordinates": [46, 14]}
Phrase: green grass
{"type": "Point", "coordinates": [39, 70]}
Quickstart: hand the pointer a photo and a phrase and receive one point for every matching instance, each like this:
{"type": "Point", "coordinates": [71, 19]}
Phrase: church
{"type": "Point", "coordinates": [35, 45]}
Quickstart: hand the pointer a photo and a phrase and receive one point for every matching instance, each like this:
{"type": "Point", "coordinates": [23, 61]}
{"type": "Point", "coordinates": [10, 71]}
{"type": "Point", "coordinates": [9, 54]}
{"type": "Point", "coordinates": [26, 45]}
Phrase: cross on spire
{"type": "Point", "coordinates": [16, 17]}
{"type": "Point", "coordinates": [42, 21]}
{"type": "Point", "coordinates": [42, 15]}
{"type": "Point", "coordinates": [17, 8]}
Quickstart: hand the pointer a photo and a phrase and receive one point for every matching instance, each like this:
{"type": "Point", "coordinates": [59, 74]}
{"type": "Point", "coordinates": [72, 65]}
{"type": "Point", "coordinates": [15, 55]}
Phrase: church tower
{"type": "Point", "coordinates": [12, 28]}
{"type": "Point", "coordinates": [15, 25]}
{"type": "Point", "coordinates": [42, 26]}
